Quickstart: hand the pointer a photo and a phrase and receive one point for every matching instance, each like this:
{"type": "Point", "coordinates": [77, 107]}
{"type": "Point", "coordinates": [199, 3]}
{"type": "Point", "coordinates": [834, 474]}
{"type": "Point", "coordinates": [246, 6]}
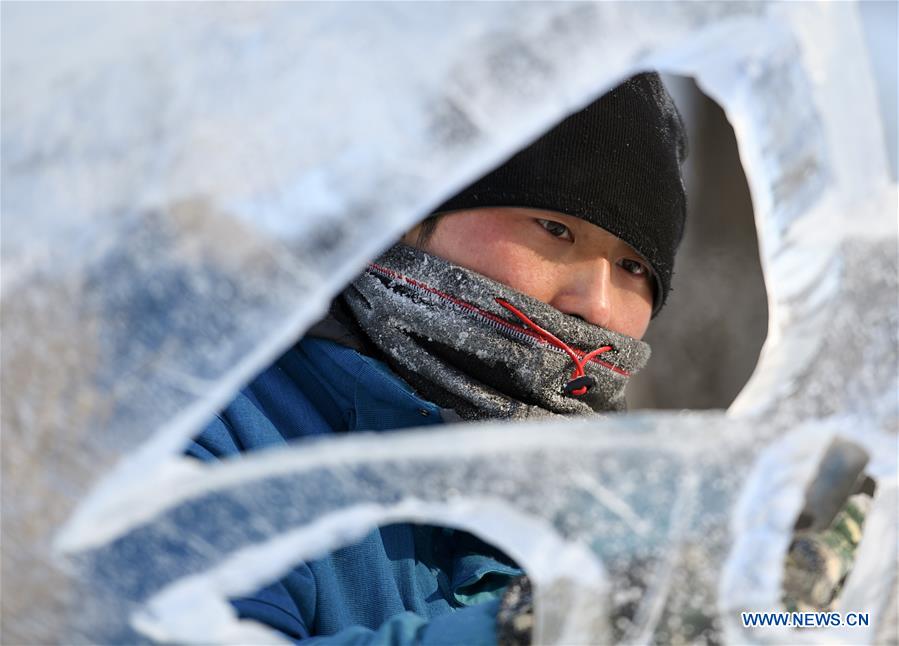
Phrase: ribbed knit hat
{"type": "Point", "coordinates": [616, 164]}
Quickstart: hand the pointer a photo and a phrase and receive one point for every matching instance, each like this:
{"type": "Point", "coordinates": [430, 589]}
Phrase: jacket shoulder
{"type": "Point", "coordinates": [299, 395]}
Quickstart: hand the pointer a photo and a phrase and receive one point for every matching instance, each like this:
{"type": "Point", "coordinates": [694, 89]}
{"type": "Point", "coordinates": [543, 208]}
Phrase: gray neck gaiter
{"type": "Point", "coordinates": [469, 343]}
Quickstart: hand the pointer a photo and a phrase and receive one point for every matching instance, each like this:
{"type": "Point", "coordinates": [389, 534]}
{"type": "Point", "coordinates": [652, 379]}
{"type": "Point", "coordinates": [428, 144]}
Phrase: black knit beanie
{"type": "Point", "coordinates": [616, 164]}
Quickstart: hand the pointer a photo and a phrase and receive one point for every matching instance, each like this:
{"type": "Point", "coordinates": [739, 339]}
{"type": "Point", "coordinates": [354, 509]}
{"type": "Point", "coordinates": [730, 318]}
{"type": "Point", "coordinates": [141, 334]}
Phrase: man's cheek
{"type": "Point", "coordinates": [530, 275]}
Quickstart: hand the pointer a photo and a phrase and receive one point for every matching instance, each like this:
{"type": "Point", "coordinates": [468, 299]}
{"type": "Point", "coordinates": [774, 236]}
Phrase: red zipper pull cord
{"type": "Point", "coordinates": [579, 383]}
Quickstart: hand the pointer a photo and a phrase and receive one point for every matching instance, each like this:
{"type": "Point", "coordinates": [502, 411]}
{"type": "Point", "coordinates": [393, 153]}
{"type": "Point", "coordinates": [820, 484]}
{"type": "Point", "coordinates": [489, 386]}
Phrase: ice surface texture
{"type": "Point", "coordinates": [186, 186]}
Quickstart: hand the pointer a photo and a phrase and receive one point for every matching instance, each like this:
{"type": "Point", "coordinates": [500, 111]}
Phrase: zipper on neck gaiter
{"type": "Point", "coordinates": [492, 320]}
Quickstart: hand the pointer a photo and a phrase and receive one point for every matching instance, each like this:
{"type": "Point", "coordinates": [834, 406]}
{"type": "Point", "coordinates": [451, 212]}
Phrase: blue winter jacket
{"type": "Point", "coordinates": [403, 583]}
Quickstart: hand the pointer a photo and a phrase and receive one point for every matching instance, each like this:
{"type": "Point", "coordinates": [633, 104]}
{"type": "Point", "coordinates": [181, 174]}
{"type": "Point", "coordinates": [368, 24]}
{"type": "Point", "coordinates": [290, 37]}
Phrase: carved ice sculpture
{"type": "Point", "coordinates": [186, 186]}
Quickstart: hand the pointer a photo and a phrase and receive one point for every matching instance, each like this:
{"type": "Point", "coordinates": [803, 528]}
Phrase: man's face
{"type": "Point", "coordinates": [569, 263]}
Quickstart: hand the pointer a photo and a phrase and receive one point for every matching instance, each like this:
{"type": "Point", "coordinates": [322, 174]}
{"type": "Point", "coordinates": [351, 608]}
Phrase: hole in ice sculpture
{"type": "Point", "coordinates": [829, 529]}
{"type": "Point", "coordinates": [379, 582]}
{"type": "Point", "coordinates": [707, 340]}
{"type": "Point", "coordinates": [428, 570]}
{"type": "Point", "coordinates": [804, 480]}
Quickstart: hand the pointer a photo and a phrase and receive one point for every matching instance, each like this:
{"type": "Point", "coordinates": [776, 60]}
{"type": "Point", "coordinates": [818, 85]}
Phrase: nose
{"type": "Point", "coordinates": [585, 290]}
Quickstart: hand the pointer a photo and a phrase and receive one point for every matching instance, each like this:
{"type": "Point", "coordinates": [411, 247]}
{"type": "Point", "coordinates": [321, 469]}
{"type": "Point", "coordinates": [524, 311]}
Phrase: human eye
{"type": "Point", "coordinates": [556, 229]}
{"type": "Point", "coordinates": [634, 267]}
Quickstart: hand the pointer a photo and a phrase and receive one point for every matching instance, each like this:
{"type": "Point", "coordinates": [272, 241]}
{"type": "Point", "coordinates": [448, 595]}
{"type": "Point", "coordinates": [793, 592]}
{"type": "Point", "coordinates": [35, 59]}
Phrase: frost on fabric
{"type": "Point", "coordinates": [185, 188]}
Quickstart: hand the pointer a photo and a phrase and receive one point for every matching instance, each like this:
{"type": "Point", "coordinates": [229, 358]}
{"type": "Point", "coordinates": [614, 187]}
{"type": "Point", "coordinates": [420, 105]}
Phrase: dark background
{"type": "Point", "coordinates": [706, 342]}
